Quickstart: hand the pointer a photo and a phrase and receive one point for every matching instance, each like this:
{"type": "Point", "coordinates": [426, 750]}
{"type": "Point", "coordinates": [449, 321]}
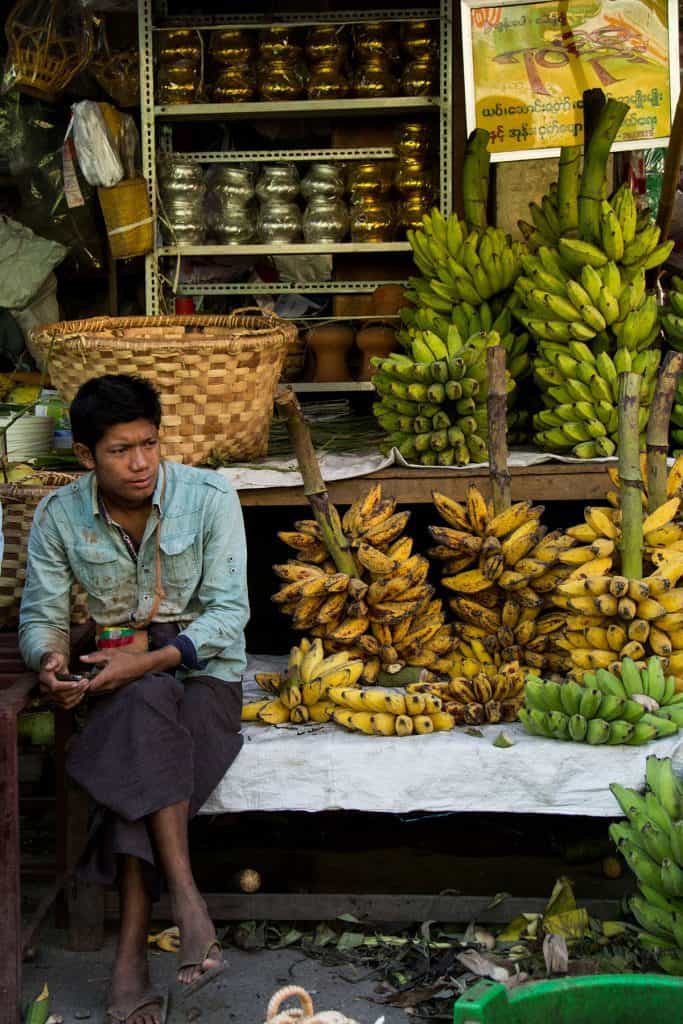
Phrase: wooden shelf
{"type": "Point", "coordinates": [550, 481]}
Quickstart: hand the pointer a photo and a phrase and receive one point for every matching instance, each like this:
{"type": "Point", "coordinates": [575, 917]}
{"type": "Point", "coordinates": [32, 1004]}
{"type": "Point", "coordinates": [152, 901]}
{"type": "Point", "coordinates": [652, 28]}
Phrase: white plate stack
{"type": "Point", "coordinates": [28, 437]}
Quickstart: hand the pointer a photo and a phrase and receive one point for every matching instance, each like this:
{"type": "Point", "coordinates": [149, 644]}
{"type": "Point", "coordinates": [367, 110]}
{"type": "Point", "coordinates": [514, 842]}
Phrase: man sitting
{"type": "Point", "coordinates": [160, 550]}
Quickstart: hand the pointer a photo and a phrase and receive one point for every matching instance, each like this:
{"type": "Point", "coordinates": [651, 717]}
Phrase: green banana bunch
{"type": "Point", "coordinates": [649, 685]}
{"type": "Point", "coordinates": [458, 265]}
{"type": "Point", "coordinates": [433, 402]}
{"type": "Point", "coordinates": [651, 842]}
{"type": "Point", "coordinates": [672, 324]}
{"type": "Point", "coordinates": [589, 714]}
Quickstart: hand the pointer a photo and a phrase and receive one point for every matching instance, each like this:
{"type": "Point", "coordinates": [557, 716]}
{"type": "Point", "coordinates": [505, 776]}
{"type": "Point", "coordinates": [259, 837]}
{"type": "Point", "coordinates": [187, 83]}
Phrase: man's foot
{"type": "Point", "coordinates": [200, 950]}
{"type": "Point", "coordinates": [131, 997]}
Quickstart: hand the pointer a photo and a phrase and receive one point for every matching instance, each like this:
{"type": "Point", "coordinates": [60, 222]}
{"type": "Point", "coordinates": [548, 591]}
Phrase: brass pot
{"type": "Point", "coordinates": [374, 79]}
{"type": "Point", "coordinates": [232, 46]}
{"type": "Point", "coordinates": [370, 177]}
{"type": "Point", "coordinates": [327, 81]}
{"type": "Point", "coordinates": [372, 220]}
{"type": "Point", "coordinates": [280, 80]}
{"type": "Point", "coordinates": [280, 42]}
{"type": "Point", "coordinates": [413, 175]}
{"type": "Point", "coordinates": [413, 140]}
{"type": "Point", "coordinates": [412, 209]}
{"type": "Point", "coordinates": [327, 42]}
{"type": "Point", "coordinates": [420, 77]}
{"type": "Point", "coordinates": [235, 84]}
{"type": "Point", "coordinates": [375, 39]}
{"type": "Point", "coordinates": [420, 38]}
{"type": "Point", "coordinates": [178, 83]}
{"type": "Point", "coordinates": [175, 44]}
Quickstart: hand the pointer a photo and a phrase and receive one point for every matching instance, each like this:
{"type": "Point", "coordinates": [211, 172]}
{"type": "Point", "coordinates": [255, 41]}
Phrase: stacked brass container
{"type": "Point", "coordinates": [182, 194]}
{"type": "Point", "coordinates": [327, 51]}
{"type": "Point", "coordinates": [232, 53]}
{"type": "Point", "coordinates": [180, 65]}
{"type": "Point", "coordinates": [279, 216]}
{"type": "Point", "coordinates": [232, 213]}
{"type": "Point", "coordinates": [414, 179]}
{"type": "Point", "coordinates": [376, 55]}
{"type": "Point", "coordinates": [419, 44]}
{"type": "Point", "coordinates": [281, 70]}
{"type": "Point", "coordinates": [326, 217]}
{"type": "Point", "coordinates": [373, 213]}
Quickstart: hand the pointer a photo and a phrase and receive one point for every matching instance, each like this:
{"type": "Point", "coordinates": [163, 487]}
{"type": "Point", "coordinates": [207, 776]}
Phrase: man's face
{"type": "Point", "coordinates": [126, 462]}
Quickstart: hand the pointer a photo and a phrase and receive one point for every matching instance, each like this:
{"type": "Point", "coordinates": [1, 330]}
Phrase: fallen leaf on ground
{"type": "Point", "coordinates": [482, 966]}
{"type": "Point", "coordinates": [555, 954]}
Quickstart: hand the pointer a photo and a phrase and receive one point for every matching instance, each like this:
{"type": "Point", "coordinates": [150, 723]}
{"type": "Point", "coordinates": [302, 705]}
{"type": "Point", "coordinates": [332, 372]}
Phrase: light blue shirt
{"type": "Point", "coordinates": [203, 567]}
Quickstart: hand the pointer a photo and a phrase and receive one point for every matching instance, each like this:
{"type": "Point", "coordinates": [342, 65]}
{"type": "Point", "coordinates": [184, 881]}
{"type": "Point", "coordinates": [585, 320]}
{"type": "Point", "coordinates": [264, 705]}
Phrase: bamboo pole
{"type": "Point", "coordinates": [672, 164]}
{"type": "Point", "coordinates": [568, 180]}
{"type": "Point", "coordinates": [324, 512]}
{"type": "Point", "coordinates": [473, 201]}
{"type": "Point", "coordinates": [658, 429]}
{"type": "Point", "coordinates": [630, 480]}
{"type": "Point", "coordinates": [596, 154]}
{"type": "Point", "coordinates": [496, 405]}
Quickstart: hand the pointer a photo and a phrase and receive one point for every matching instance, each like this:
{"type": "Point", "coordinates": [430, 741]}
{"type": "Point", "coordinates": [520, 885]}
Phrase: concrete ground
{"type": "Point", "coordinates": [78, 981]}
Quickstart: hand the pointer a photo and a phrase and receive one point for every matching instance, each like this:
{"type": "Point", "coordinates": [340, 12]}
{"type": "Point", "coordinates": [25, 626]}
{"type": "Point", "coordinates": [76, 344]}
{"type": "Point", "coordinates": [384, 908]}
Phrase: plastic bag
{"type": "Point", "coordinates": [26, 260]}
{"type": "Point", "coordinates": [98, 156]}
{"type": "Point", "coordinates": [31, 139]}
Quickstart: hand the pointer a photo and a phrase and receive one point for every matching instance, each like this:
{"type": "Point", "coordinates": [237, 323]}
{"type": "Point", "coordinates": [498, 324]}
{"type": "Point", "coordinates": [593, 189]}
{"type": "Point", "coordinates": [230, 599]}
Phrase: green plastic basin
{"type": "Point", "coordinates": [598, 999]}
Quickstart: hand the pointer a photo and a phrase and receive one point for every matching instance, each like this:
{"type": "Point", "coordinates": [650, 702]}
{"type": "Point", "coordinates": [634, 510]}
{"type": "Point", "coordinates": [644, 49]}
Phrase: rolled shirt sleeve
{"type": "Point", "coordinates": [45, 602]}
{"type": "Point", "coordinates": [222, 592]}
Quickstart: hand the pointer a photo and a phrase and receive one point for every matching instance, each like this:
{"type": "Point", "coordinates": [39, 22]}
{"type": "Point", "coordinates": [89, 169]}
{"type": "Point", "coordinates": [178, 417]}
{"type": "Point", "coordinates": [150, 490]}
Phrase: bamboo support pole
{"type": "Point", "coordinates": [672, 164]}
{"type": "Point", "coordinates": [496, 403]}
{"type": "Point", "coordinates": [324, 512]}
{"type": "Point", "coordinates": [568, 180]}
{"type": "Point", "coordinates": [630, 480]}
{"type": "Point", "coordinates": [596, 154]}
{"type": "Point", "coordinates": [658, 429]}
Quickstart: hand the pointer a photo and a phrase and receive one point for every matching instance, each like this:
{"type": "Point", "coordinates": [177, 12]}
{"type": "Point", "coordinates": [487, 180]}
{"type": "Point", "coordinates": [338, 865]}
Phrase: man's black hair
{"type": "Point", "coordinates": [102, 402]}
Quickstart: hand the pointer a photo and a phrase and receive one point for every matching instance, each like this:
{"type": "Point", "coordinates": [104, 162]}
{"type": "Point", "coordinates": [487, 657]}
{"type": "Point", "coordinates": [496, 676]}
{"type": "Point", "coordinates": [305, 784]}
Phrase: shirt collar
{"type": "Point", "coordinates": [156, 497]}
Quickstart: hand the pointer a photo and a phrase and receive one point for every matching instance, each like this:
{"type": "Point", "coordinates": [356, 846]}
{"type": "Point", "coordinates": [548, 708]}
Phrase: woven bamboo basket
{"type": "Point", "coordinates": [47, 46]}
{"type": "Point", "coordinates": [216, 375]}
{"type": "Point", "coordinates": [128, 218]}
{"type": "Point", "coordinates": [19, 502]}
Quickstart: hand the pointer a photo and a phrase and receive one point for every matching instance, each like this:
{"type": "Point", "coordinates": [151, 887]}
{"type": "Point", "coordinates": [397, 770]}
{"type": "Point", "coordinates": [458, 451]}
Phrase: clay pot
{"type": "Point", "coordinates": [388, 300]}
{"type": "Point", "coordinates": [330, 344]}
{"type": "Point", "coordinates": [374, 340]}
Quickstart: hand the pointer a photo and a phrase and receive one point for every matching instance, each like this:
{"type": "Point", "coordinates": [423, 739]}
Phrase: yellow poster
{"type": "Point", "coordinates": [532, 63]}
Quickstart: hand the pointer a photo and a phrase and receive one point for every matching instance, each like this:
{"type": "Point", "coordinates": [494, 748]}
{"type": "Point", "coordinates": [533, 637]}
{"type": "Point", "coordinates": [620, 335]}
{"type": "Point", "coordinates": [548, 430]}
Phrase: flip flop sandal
{"type": "Point", "coordinates": [122, 1014]}
{"type": "Point", "coordinates": [205, 977]}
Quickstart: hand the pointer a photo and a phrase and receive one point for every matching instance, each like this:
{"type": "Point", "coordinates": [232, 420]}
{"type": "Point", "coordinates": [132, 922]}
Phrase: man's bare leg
{"type": "Point", "coordinates": [169, 828]}
{"type": "Point", "coordinates": [130, 977]}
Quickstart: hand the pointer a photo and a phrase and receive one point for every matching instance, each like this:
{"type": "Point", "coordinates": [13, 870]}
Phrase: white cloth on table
{"type": "Point", "coordinates": [323, 767]}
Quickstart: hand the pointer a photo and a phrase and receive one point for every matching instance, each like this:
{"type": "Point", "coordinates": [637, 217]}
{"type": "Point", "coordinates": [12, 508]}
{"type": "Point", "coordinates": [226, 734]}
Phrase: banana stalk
{"type": "Point", "coordinates": [474, 201]}
{"type": "Point", "coordinates": [658, 429]}
{"type": "Point", "coordinates": [324, 512]}
{"type": "Point", "coordinates": [594, 164]}
{"type": "Point", "coordinates": [630, 478]}
{"type": "Point", "coordinates": [497, 417]}
{"type": "Point", "coordinates": [569, 177]}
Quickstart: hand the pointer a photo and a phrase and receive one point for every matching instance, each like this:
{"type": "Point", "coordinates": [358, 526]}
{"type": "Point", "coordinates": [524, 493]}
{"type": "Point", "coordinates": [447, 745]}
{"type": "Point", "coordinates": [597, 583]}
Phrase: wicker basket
{"type": "Point", "coordinates": [216, 375]}
{"type": "Point", "coordinates": [19, 503]}
{"type": "Point", "coordinates": [47, 46]}
{"type": "Point", "coordinates": [128, 218]}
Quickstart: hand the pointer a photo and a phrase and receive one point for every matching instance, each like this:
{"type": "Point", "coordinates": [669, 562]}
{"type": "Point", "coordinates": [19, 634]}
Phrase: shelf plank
{"type": "Point", "coordinates": [240, 156]}
{"type": "Point", "coordinates": [285, 249]}
{"type": "Point", "coordinates": [313, 387]}
{"type": "Point", "coordinates": [551, 481]}
{"type": "Point", "coordinates": [299, 108]}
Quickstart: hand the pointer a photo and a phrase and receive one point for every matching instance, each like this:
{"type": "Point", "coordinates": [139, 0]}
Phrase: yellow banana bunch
{"type": "Point", "coordinates": [494, 696]}
{"type": "Point", "coordinates": [378, 712]}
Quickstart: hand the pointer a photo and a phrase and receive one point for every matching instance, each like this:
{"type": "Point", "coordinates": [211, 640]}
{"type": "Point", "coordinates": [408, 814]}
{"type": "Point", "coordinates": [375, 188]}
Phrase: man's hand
{"type": "Point", "coordinates": [65, 692]}
{"type": "Point", "coordinates": [116, 668]}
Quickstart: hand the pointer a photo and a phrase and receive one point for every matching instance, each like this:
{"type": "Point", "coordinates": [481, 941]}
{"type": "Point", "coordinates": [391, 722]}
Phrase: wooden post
{"type": "Point", "coordinates": [630, 479]}
{"type": "Point", "coordinates": [10, 892]}
{"type": "Point", "coordinates": [672, 164]}
{"type": "Point", "coordinates": [315, 490]}
{"type": "Point", "coordinates": [658, 429]}
{"type": "Point", "coordinates": [496, 402]}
